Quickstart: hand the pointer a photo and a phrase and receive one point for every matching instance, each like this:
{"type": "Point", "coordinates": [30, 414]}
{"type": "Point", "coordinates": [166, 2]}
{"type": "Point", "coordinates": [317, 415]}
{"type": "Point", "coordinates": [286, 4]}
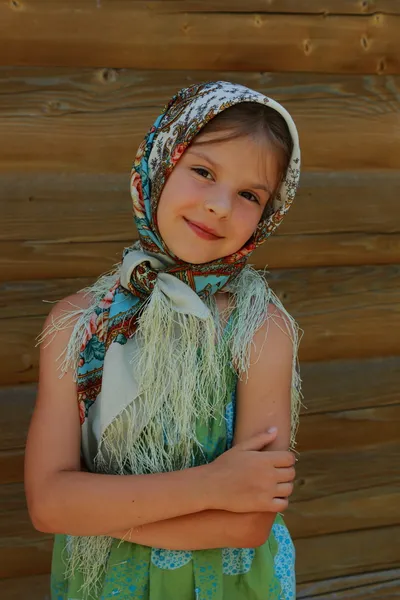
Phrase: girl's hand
{"type": "Point", "coordinates": [249, 480]}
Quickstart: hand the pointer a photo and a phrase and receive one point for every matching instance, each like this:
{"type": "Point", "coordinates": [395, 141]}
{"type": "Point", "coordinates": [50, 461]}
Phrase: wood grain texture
{"type": "Point", "coordinates": [347, 553]}
{"type": "Point", "coordinates": [36, 587]}
{"type": "Point", "coordinates": [92, 121]}
{"type": "Point", "coordinates": [324, 7]}
{"type": "Point", "coordinates": [37, 32]}
{"type": "Point", "coordinates": [346, 482]}
{"type": "Point", "coordinates": [23, 550]}
{"type": "Point", "coordinates": [76, 225]}
{"type": "Point", "coordinates": [343, 312]}
{"type": "Point", "coordinates": [374, 586]}
{"type": "Point", "coordinates": [350, 384]}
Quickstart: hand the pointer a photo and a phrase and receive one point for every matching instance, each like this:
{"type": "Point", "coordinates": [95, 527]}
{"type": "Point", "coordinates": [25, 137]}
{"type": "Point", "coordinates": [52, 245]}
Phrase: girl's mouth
{"type": "Point", "coordinates": [205, 235]}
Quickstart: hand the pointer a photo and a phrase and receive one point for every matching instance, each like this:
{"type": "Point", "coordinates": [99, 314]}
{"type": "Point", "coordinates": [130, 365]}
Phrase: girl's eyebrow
{"type": "Point", "coordinates": [202, 155]}
{"type": "Point", "coordinates": [260, 186]}
{"type": "Point", "coordinates": [255, 186]}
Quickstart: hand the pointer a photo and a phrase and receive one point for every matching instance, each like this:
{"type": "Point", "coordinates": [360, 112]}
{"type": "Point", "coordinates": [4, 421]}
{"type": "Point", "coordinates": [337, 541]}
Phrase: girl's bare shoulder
{"type": "Point", "coordinates": [59, 324]}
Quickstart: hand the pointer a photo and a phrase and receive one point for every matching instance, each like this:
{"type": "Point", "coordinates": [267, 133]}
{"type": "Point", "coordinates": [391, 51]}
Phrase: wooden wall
{"type": "Point", "coordinates": [80, 82]}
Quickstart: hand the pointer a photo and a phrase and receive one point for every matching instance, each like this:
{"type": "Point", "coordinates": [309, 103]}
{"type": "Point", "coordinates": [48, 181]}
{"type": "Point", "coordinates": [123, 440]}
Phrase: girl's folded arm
{"type": "Point", "coordinates": [199, 531]}
{"type": "Point", "coordinates": [61, 498]}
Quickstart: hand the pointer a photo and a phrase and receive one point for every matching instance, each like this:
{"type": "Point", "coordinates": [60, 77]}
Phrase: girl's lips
{"type": "Point", "coordinates": [201, 233]}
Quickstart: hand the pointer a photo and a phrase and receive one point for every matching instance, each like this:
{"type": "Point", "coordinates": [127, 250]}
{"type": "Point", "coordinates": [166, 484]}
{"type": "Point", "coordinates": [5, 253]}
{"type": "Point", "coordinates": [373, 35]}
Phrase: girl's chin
{"type": "Point", "coordinates": [192, 255]}
{"type": "Point", "coordinates": [195, 259]}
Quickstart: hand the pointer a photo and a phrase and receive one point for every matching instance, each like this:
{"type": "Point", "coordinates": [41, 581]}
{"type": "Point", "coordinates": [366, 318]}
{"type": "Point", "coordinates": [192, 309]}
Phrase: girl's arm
{"type": "Point", "coordinates": [262, 402]}
{"type": "Point", "coordinates": [200, 531]}
{"type": "Point", "coordinates": [62, 499]}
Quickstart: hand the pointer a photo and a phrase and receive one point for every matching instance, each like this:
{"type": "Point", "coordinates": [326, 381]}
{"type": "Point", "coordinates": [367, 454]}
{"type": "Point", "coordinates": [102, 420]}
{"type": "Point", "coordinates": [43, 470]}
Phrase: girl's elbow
{"type": "Point", "coordinates": [256, 530]}
{"type": "Point", "coordinates": [38, 520]}
{"type": "Point", "coordinates": [43, 515]}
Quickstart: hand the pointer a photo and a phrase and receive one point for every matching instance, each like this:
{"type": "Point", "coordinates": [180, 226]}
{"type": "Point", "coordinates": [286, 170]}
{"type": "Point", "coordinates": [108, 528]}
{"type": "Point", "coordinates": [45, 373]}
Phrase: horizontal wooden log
{"type": "Point", "coordinates": [43, 33]}
{"type": "Point", "coordinates": [372, 586]}
{"type": "Point", "coordinates": [326, 7]}
{"type": "Point", "coordinates": [350, 385]}
{"type": "Point", "coordinates": [92, 121]}
{"type": "Point", "coordinates": [347, 553]}
{"type": "Point", "coordinates": [16, 408]}
{"type": "Point", "coordinates": [343, 311]}
{"type": "Point", "coordinates": [77, 225]}
{"type": "Point", "coordinates": [36, 587]}
{"type": "Point", "coordinates": [12, 466]}
{"type": "Point", "coordinates": [23, 550]}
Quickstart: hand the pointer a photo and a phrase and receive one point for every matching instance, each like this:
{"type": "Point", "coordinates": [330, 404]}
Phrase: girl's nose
{"type": "Point", "coordinates": [219, 201]}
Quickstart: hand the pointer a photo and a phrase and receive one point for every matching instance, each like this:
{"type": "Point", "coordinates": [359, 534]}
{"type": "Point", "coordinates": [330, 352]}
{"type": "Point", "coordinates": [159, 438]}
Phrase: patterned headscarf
{"type": "Point", "coordinates": [115, 318]}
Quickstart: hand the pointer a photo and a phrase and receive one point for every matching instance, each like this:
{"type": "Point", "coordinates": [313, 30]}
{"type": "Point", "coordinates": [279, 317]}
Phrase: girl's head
{"type": "Point", "coordinates": [223, 157]}
{"type": "Point", "coordinates": [226, 181]}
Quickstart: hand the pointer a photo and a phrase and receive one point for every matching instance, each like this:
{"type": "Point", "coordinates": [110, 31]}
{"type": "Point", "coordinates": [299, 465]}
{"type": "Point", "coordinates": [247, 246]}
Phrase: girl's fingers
{"type": "Point", "coordinates": [279, 504]}
{"type": "Point", "coordinates": [285, 475]}
{"type": "Point", "coordinates": [283, 490]}
{"type": "Point", "coordinates": [282, 458]}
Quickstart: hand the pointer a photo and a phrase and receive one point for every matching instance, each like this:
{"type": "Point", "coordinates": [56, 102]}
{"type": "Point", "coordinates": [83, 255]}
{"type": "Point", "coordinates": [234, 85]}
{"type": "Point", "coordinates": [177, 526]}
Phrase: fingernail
{"type": "Point", "coordinates": [272, 430]}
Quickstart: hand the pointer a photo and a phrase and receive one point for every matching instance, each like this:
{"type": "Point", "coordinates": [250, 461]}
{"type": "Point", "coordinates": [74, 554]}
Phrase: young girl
{"type": "Point", "coordinates": [184, 365]}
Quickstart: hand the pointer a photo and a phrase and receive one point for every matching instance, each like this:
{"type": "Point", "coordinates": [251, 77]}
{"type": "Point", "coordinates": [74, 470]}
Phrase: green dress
{"type": "Point", "coordinates": [137, 572]}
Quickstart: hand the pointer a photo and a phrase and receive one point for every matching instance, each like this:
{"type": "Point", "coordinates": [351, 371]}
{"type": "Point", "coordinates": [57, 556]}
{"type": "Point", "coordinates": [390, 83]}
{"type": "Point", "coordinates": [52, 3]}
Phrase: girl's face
{"type": "Point", "coordinates": [222, 186]}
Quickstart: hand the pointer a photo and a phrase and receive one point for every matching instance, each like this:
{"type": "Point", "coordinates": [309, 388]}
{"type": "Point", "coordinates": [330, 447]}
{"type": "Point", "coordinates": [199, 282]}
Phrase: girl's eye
{"type": "Point", "coordinates": [202, 172]}
{"type": "Point", "coordinates": [250, 196]}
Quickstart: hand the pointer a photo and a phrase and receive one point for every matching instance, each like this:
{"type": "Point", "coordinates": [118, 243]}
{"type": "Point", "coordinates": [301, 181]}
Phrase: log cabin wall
{"type": "Point", "coordinates": [80, 82]}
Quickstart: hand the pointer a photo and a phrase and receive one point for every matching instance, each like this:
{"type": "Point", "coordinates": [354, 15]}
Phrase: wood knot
{"type": "Point", "coordinates": [15, 5]}
{"type": "Point", "coordinates": [382, 66]}
{"type": "Point", "coordinates": [365, 5]}
{"type": "Point", "coordinates": [108, 75]}
{"type": "Point", "coordinates": [52, 107]}
{"type": "Point", "coordinates": [258, 21]}
{"type": "Point", "coordinates": [307, 47]}
{"type": "Point", "coordinates": [365, 42]}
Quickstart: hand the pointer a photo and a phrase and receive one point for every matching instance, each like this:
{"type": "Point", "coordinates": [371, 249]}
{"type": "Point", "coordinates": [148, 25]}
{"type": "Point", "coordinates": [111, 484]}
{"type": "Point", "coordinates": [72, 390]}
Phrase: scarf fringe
{"type": "Point", "coordinates": [80, 318]}
{"type": "Point", "coordinates": [181, 376]}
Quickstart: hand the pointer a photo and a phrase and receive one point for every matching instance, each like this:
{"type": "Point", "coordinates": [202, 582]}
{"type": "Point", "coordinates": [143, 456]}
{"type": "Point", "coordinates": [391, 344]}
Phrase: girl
{"type": "Point", "coordinates": [184, 365]}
